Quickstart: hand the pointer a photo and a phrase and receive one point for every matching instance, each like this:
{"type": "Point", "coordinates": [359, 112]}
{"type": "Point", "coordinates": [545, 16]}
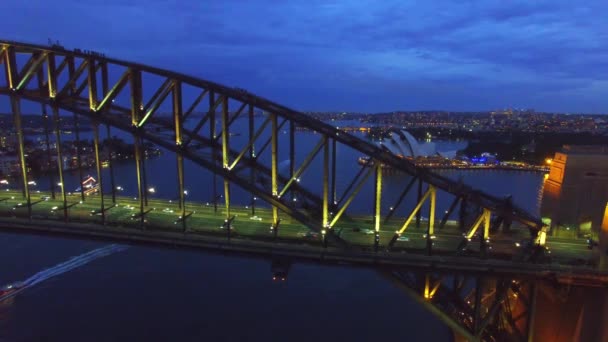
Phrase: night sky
{"type": "Point", "coordinates": [357, 55]}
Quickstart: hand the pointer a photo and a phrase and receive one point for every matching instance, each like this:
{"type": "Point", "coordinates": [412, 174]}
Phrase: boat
{"type": "Point", "coordinates": [11, 289]}
{"type": "Point", "coordinates": [89, 185]}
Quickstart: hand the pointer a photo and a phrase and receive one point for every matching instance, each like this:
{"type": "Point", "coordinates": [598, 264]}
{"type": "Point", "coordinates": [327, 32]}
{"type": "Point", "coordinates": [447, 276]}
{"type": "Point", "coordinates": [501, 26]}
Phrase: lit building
{"type": "Point", "coordinates": [8, 165]}
{"type": "Point", "coordinates": [8, 141]}
{"type": "Point", "coordinates": [403, 144]}
{"type": "Point", "coordinates": [576, 191]}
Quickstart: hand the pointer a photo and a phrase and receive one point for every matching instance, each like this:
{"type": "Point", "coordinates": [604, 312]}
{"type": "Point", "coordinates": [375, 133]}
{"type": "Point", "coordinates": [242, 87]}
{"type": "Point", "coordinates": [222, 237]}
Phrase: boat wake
{"type": "Point", "coordinates": [59, 269]}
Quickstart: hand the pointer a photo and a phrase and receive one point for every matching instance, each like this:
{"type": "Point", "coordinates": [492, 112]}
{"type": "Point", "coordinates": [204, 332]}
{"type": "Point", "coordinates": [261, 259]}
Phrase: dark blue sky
{"type": "Point", "coordinates": [357, 55]}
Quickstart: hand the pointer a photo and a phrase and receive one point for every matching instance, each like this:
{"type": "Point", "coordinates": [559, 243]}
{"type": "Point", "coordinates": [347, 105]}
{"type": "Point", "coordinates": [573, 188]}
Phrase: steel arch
{"type": "Point", "coordinates": [62, 86]}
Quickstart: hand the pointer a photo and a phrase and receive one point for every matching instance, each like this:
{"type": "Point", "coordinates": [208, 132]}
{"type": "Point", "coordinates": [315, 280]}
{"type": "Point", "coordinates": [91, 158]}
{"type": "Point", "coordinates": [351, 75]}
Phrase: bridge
{"type": "Point", "coordinates": [480, 273]}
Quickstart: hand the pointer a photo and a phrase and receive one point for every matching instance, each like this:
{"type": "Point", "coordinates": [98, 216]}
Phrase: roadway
{"type": "Point", "coordinates": [202, 218]}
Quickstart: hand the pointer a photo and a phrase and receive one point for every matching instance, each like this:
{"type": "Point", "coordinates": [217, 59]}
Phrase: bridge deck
{"type": "Point", "coordinates": [252, 235]}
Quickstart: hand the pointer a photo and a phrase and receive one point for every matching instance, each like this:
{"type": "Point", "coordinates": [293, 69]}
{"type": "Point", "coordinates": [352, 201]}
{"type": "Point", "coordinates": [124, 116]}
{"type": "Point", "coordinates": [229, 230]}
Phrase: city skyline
{"type": "Point", "coordinates": [339, 56]}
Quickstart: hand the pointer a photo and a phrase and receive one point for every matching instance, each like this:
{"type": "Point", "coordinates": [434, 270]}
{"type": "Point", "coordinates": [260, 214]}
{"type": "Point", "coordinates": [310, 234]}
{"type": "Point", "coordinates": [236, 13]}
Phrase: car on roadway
{"type": "Point", "coordinates": [279, 276]}
{"type": "Point", "coordinates": [309, 235]}
{"type": "Point", "coordinates": [403, 238]}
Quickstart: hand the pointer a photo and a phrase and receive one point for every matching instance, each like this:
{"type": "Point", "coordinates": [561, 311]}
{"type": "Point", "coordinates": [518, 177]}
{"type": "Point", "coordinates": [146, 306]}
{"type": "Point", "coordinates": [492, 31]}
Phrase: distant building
{"type": "Point", "coordinates": [401, 143]}
{"type": "Point", "coordinates": [8, 141]}
{"type": "Point", "coordinates": [8, 165]}
{"type": "Point", "coordinates": [576, 192]}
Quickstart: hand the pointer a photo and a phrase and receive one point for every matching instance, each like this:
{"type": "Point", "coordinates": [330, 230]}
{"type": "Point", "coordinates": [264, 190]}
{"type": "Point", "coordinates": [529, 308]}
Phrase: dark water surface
{"type": "Point", "coordinates": [160, 294]}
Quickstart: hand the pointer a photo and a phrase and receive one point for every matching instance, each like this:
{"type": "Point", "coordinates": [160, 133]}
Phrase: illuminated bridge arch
{"type": "Point", "coordinates": [132, 97]}
{"type": "Point", "coordinates": [116, 93]}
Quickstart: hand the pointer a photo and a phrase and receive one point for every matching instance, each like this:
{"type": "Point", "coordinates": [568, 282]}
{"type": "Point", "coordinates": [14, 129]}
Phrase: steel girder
{"type": "Point", "coordinates": [478, 308]}
{"type": "Point", "coordinates": [63, 87]}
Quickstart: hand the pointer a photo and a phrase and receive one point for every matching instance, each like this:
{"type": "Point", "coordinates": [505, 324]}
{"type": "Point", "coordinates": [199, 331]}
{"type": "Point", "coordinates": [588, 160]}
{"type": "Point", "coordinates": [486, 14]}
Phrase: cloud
{"type": "Point", "coordinates": [445, 52]}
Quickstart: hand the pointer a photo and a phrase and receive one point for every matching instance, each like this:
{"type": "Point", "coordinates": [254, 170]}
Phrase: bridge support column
{"type": "Point", "coordinates": [144, 176]}
{"type": "Point", "coordinates": [178, 123]}
{"type": "Point", "coordinates": [98, 167]}
{"type": "Point", "coordinates": [225, 156]}
{"type": "Point", "coordinates": [78, 156]}
{"type": "Point", "coordinates": [378, 203]}
{"type": "Point", "coordinates": [47, 143]}
{"type": "Point", "coordinates": [486, 232]}
{"type": "Point", "coordinates": [483, 218]}
{"type": "Point", "coordinates": [137, 107]}
{"type": "Point", "coordinates": [334, 193]}
{"type": "Point", "coordinates": [105, 87]}
{"type": "Point", "coordinates": [140, 183]}
{"type": "Point", "coordinates": [274, 142]}
{"type": "Point", "coordinates": [16, 108]}
{"type": "Point", "coordinates": [60, 161]}
{"type": "Point", "coordinates": [252, 155]}
{"type": "Point", "coordinates": [429, 193]}
{"type": "Point", "coordinates": [430, 233]}
{"type": "Point", "coordinates": [45, 118]}
{"type": "Point", "coordinates": [181, 189]}
{"type": "Point", "coordinates": [213, 135]}
{"type": "Point", "coordinates": [92, 82]}
{"type": "Point", "coordinates": [111, 164]}
{"type": "Point", "coordinates": [325, 220]}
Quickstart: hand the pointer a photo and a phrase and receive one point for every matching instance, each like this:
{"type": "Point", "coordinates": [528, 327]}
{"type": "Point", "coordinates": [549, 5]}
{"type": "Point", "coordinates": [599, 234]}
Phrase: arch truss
{"type": "Point", "coordinates": [106, 92]}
